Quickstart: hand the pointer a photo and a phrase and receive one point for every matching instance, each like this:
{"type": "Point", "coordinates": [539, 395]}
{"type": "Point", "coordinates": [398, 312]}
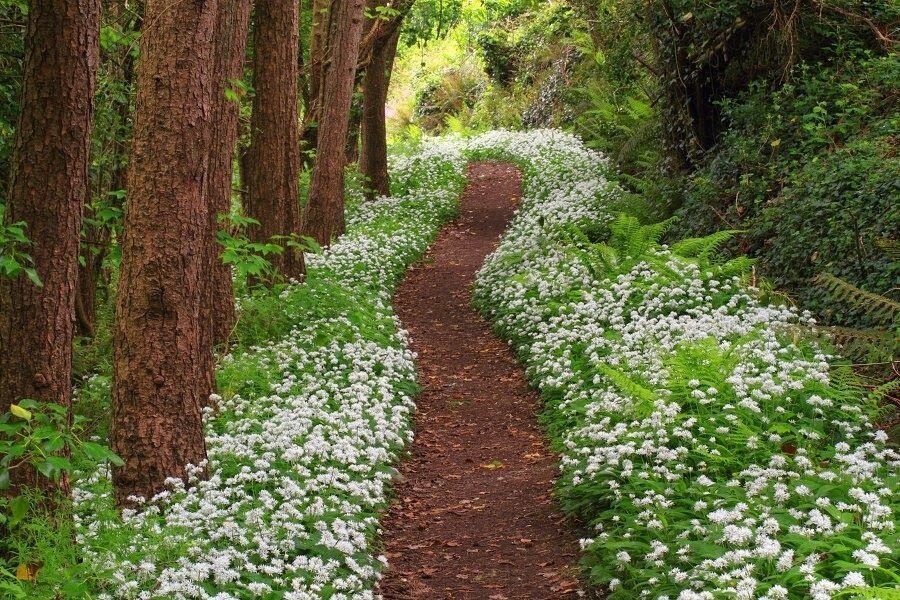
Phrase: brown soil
{"type": "Point", "coordinates": [475, 514]}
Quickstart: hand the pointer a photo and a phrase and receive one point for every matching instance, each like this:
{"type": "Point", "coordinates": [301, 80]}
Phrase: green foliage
{"type": "Point", "coordinates": [485, 71]}
{"type": "Point", "coordinates": [811, 172]}
{"type": "Point", "coordinates": [12, 53]}
{"type": "Point", "coordinates": [39, 435]}
{"type": "Point", "coordinates": [14, 261]}
{"type": "Point", "coordinates": [877, 306]}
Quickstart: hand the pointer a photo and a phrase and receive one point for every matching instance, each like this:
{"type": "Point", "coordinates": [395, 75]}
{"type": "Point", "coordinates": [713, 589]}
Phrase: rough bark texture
{"type": "Point", "coordinates": [232, 26]}
{"type": "Point", "coordinates": [325, 208]}
{"type": "Point", "coordinates": [373, 153]}
{"type": "Point", "coordinates": [48, 188]}
{"type": "Point", "coordinates": [273, 159]}
{"type": "Point", "coordinates": [159, 385]}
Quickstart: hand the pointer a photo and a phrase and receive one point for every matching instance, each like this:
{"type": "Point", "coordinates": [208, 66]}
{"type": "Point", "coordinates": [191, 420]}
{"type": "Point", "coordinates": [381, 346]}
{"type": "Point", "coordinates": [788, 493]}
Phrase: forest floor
{"type": "Point", "coordinates": [474, 515]}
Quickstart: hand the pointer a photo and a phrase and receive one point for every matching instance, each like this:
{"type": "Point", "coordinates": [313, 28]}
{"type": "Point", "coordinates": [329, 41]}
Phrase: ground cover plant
{"type": "Point", "coordinates": [313, 408]}
{"type": "Point", "coordinates": [710, 439]}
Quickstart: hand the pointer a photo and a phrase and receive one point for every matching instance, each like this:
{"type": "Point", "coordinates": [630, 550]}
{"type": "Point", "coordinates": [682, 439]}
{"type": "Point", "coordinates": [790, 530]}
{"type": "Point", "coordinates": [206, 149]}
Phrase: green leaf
{"type": "Point", "coordinates": [18, 508]}
{"type": "Point", "coordinates": [47, 469]}
{"type": "Point", "coordinates": [60, 462]}
{"type": "Point", "coordinates": [99, 452]}
{"type": "Point", "coordinates": [20, 412]}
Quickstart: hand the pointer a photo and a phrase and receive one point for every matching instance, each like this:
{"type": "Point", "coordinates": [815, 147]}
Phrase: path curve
{"type": "Point", "coordinates": [474, 515]}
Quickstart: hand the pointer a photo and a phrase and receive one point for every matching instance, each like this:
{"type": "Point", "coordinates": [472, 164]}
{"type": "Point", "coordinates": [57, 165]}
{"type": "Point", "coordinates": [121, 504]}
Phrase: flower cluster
{"type": "Point", "coordinates": [303, 434]}
{"type": "Point", "coordinates": [710, 440]}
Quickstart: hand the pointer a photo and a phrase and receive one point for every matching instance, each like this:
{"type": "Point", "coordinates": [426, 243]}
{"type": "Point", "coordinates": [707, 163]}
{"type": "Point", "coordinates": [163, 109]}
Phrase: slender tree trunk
{"type": "Point", "coordinates": [353, 131]}
{"type": "Point", "coordinates": [159, 383]}
{"type": "Point", "coordinates": [48, 189]}
{"type": "Point", "coordinates": [318, 63]}
{"type": "Point", "coordinates": [116, 63]}
{"type": "Point", "coordinates": [273, 159]}
{"type": "Point", "coordinates": [325, 209]}
{"type": "Point", "coordinates": [373, 155]}
{"type": "Point", "coordinates": [232, 26]}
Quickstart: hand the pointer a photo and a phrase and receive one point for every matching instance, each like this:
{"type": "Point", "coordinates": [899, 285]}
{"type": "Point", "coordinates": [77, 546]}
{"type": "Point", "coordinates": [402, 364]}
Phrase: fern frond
{"type": "Point", "coordinates": [607, 255]}
{"type": "Point", "coordinates": [704, 247]}
{"type": "Point", "coordinates": [632, 239]}
{"type": "Point", "coordinates": [891, 247]}
{"type": "Point", "coordinates": [886, 389]}
{"type": "Point", "coordinates": [652, 234]}
{"type": "Point", "coordinates": [875, 305]}
{"type": "Point", "coordinates": [844, 377]}
{"type": "Point", "coordinates": [735, 267]}
{"type": "Point", "coordinates": [845, 334]}
{"type": "Point", "coordinates": [624, 229]}
{"type": "Point", "coordinates": [643, 396]}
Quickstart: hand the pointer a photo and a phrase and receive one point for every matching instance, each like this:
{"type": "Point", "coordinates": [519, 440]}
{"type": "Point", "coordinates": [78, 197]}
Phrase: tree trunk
{"type": "Point", "coordinates": [48, 189]}
{"type": "Point", "coordinates": [353, 131]}
{"type": "Point", "coordinates": [318, 62]}
{"type": "Point", "coordinates": [232, 26]}
{"type": "Point", "coordinates": [273, 159]}
{"type": "Point", "coordinates": [117, 65]}
{"type": "Point", "coordinates": [373, 156]}
{"type": "Point", "coordinates": [325, 209]}
{"type": "Point", "coordinates": [159, 383]}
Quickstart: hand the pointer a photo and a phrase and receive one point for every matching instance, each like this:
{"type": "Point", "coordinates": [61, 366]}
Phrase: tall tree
{"type": "Point", "coordinates": [109, 157]}
{"type": "Point", "coordinates": [378, 50]}
{"type": "Point", "coordinates": [48, 189]}
{"type": "Point", "coordinates": [325, 207]}
{"type": "Point", "coordinates": [320, 27]}
{"type": "Point", "coordinates": [232, 26]}
{"type": "Point", "coordinates": [159, 385]}
{"type": "Point", "coordinates": [273, 159]}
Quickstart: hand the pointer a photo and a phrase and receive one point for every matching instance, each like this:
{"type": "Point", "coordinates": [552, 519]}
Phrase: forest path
{"type": "Point", "coordinates": [474, 516]}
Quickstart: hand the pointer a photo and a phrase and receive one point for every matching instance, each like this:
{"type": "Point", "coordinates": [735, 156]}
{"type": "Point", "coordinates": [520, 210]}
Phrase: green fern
{"type": "Point", "coordinates": [736, 267]}
{"type": "Point", "coordinates": [704, 247]}
{"type": "Point", "coordinates": [891, 248]}
{"type": "Point", "coordinates": [632, 239]}
{"type": "Point", "coordinates": [889, 388]}
{"type": "Point", "coordinates": [875, 305]}
{"type": "Point", "coordinates": [643, 396]}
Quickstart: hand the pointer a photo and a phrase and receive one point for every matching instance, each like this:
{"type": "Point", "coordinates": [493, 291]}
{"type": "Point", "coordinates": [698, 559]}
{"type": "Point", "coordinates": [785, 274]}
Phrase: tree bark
{"type": "Point", "coordinates": [273, 159]}
{"type": "Point", "coordinates": [373, 154]}
{"type": "Point", "coordinates": [159, 383]}
{"type": "Point", "coordinates": [48, 189]}
{"type": "Point", "coordinates": [318, 62]}
{"type": "Point", "coordinates": [232, 27]}
{"type": "Point", "coordinates": [325, 208]}
{"type": "Point", "coordinates": [117, 65]}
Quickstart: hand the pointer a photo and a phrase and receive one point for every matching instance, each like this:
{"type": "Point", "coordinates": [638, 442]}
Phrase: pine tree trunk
{"type": "Point", "coordinates": [373, 155]}
{"type": "Point", "coordinates": [325, 208]}
{"type": "Point", "coordinates": [273, 159]}
{"type": "Point", "coordinates": [232, 26]}
{"type": "Point", "coordinates": [117, 64]}
{"type": "Point", "coordinates": [318, 62]}
{"type": "Point", "coordinates": [48, 189]}
{"type": "Point", "coordinates": [159, 382]}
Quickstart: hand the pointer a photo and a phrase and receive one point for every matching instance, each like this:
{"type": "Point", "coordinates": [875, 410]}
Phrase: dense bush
{"type": "Point", "coordinates": [812, 173]}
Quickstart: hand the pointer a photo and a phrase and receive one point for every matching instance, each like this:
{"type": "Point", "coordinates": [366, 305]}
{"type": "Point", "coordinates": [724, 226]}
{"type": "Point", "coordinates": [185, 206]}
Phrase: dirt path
{"type": "Point", "coordinates": [474, 517]}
